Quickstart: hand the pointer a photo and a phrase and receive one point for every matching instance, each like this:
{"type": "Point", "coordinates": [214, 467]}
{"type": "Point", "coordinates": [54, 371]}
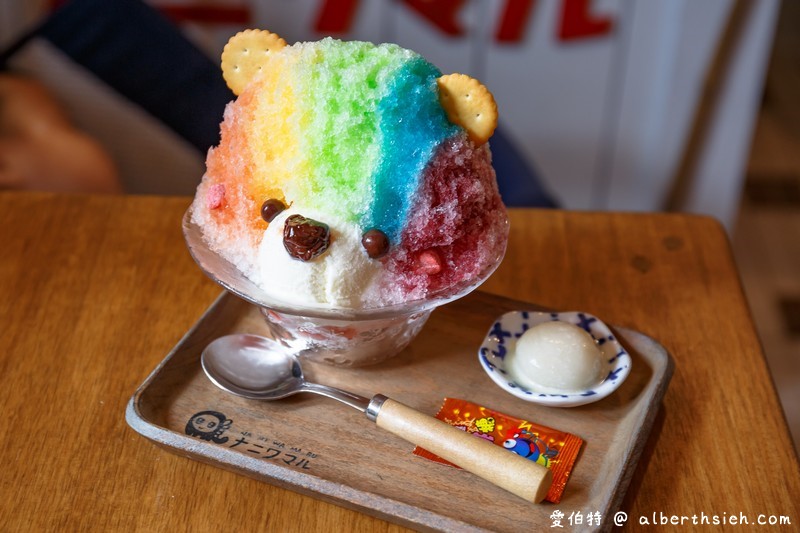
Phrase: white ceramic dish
{"type": "Point", "coordinates": [502, 338]}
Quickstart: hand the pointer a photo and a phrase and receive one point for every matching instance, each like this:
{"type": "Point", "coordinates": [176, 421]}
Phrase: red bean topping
{"type": "Point", "coordinates": [271, 208]}
{"type": "Point", "coordinates": [305, 238]}
{"type": "Point", "coordinates": [375, 242]}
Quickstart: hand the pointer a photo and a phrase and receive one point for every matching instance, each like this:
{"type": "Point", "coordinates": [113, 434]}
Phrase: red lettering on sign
{"type": "Point", "coordinates": [578, 22]}
{"type": "Point", "coordinates": [442, 13]}
{"type": "Point", "coordinates": [336, 16]}
{"type": "Point", "coordinates": [513, 20]}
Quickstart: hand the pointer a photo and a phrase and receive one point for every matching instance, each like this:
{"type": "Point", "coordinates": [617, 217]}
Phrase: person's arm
{"type": "Point", "coordinates": [40, 148]}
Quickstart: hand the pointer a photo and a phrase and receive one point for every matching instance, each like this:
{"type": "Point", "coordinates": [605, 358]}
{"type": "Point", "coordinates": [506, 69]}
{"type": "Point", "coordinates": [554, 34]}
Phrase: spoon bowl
{"type": "Point", "coordinates": [252, 367]}
{"type": "Point", "coordinates": [258, 368]}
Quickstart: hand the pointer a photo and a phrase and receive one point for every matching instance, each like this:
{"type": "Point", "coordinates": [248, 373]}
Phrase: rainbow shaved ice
{"type": "Point", "coordinates": [350, 137]}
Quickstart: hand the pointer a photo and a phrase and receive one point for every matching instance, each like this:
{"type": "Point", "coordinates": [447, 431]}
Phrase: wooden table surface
{"type": "Point", "coordinates": [95, 291]}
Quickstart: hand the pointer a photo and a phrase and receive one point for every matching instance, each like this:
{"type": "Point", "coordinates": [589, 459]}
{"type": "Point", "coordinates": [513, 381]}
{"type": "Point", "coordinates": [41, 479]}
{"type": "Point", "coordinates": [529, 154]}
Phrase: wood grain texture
{"type": "Point", "coordinates": [94, 291]}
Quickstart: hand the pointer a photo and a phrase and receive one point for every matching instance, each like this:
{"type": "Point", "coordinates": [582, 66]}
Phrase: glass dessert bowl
{"type": "Point", "coordinates": [332, 335]}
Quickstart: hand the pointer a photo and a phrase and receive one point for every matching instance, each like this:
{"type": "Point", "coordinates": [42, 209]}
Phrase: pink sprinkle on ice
{"type": "Point", "coordinates": [428, 262]}
{"type": "Point", "coordinates": [215, 196]}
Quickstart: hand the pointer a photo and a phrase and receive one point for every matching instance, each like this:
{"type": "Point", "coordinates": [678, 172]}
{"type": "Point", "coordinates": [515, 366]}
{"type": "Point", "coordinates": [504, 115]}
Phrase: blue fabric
{"type": "Point", "coordinates": [519, 184]}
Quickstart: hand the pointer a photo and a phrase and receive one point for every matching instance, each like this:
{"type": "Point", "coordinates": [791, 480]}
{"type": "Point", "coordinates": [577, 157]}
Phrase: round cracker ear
{"type": "Point", "coordinates": [243, 56]}
{"type": "Point", "coordinates": [469, 104]}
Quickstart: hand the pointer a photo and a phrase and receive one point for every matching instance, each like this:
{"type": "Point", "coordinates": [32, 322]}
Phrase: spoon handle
{"type": "Point", "coordinates": [507, 470]}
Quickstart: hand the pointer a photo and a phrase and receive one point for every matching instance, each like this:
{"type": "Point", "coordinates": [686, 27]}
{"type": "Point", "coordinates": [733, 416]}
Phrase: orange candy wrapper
{"type": "Point", "coordinates": [549, 447]}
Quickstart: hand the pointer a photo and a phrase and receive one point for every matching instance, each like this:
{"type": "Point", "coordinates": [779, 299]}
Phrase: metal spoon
{"type": "Point", "coordinates": [259, 369]}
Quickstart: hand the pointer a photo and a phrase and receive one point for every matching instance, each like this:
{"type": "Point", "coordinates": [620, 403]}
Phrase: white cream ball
{"type": "Point", "coordinates": [337, 278]}
{"type": "Point", "coordinates": [556, 357]}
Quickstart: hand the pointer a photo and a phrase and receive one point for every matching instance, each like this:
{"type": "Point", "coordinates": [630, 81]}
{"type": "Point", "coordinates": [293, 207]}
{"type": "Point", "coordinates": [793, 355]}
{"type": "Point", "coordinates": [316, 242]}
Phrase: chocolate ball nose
{"type": "Point", "coordinates": [305, 238]}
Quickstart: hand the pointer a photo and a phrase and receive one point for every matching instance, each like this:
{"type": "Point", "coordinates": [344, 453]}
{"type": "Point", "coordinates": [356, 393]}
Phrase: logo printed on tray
{"type": "Point", "coordinates": [210, 425]}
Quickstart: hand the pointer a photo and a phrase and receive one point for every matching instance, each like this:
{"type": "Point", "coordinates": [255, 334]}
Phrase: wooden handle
{"type": "Point", "coordinates": [518, 475]}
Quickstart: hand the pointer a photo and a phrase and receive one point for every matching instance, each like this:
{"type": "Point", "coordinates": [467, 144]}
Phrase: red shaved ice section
{"type": "Point", "coordinates": [458, 220]}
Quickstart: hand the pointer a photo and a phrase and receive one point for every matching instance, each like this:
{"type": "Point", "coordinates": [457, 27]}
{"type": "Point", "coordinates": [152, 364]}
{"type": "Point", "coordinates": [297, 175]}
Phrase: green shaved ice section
{"type": "Point", "coordinates": [340, 87]}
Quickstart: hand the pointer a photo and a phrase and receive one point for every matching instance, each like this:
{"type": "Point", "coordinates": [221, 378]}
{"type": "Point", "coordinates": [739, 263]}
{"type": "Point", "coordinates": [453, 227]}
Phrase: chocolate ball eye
{"type": "Point", "coordinates": [271, 208]}
{"type": "Point", "coordinates": [375, 242]}
{"type": "Point", "coordinates": [305, 238]}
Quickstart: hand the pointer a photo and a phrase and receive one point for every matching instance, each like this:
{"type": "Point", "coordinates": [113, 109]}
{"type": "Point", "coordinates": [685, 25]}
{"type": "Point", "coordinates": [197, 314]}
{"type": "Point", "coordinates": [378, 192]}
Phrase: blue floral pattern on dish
{"type": "Point", "coordinates": [502, 338]}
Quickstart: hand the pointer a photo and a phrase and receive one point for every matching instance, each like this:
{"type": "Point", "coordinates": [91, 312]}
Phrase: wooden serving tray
{"type": "Point", "coordinates": [322, 448]}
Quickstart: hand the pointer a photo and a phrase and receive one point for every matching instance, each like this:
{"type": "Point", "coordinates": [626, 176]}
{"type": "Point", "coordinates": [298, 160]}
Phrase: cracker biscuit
{"type": "Point", "coordinates": [243, 56]}
{"type": "Point", "coordinates": [469, 104]}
